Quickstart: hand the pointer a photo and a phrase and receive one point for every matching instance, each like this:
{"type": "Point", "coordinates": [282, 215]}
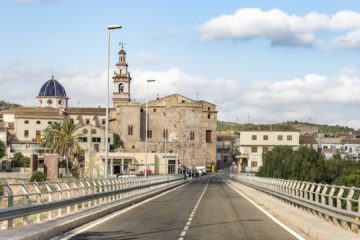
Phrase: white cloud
{"type": "Point", "coordinates": [324, 99]}
{"type": "Point", "coordinates": [282, 28]}
{"type": "Point", "coordinates": [350, 40]}
{"type": "Point", "coordinates": [147, 57]}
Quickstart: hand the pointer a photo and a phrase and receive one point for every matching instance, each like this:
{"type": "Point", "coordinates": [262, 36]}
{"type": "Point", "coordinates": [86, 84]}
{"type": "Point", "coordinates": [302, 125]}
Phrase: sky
{"type": "Point", "coordinates": [258, 61]}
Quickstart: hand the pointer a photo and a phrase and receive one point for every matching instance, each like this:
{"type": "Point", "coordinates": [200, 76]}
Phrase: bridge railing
{"type": "Point", "coordinates": [26, 203]}
{"type": "Point", "coordinates": [337, 204]}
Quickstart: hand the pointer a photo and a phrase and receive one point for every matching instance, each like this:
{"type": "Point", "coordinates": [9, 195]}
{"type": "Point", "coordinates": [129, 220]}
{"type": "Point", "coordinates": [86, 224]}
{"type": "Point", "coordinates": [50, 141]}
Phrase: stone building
{"type": "Point", "coordinates": [176, 124]}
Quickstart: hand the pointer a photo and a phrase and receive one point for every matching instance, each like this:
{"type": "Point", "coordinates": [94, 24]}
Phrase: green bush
{"type": "Point", "coordinates": [38, 177]}
{"type": "Point", "coordinates": [2, 149]}
{"type": "Point", "coordinates": [20, 161]}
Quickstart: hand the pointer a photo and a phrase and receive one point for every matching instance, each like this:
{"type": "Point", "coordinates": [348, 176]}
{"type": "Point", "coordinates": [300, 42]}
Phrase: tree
{"type": "Point", "coordinates": [117, 142]}
{"type": "Point", "coordinates": [61, 137]}
{"type": "Point", "coordinates": [20, 161]}
{"type": "Point", "coordinates": [2, 149]}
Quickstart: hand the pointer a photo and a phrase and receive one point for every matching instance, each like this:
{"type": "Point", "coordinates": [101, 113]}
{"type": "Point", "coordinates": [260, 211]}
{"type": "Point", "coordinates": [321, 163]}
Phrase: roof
{"type": "Point", "coordinates": [270, 128]}
{"type": "Point", "coordinates": [177, 100]}
{"type": "Point", "coordinates": [86, 111]}
{"type": "Point", "coordinates": [350, 141]}
{"type": "Point", "coordinates": [49, 112]}
{"type": "Point", "coordinates": [52, 88]}
{"type": "Point", "coordinates": [307, 139]}
{"type": "Point", "coordinates": [327, 140]}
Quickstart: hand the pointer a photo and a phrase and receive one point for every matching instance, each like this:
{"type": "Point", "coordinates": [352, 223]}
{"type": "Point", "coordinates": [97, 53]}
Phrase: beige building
{"type": "Point", "coordinates": [130, 163]}
{"type": "Point", "coordinates": [257, 140]}
{"type": "Point", "coordinates": [176, 124]}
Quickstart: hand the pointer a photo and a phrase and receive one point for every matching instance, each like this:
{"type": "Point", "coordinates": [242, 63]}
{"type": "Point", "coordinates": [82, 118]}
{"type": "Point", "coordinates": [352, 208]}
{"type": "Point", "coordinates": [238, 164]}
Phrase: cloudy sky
{"type": "Point", "coordinates": [266, 61]}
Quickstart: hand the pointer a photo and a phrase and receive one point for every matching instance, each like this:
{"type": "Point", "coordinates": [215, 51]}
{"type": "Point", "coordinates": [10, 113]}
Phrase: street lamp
{"type": "Point", "coordinates": [111, 27]}
{"type": "Point", "coordinates": [146, 123]}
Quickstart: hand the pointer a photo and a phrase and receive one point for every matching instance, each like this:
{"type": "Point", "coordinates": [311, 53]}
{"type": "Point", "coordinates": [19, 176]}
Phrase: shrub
{"type": "Point", "coordinates": [38, 177]}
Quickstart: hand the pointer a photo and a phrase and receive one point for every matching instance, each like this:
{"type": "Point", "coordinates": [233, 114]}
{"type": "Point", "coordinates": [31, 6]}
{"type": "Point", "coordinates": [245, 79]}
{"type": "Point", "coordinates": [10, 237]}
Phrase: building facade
{"type": "Point", "coordinates": [176, 124]}
{"type": "Point", "coordinates": [257, 140]}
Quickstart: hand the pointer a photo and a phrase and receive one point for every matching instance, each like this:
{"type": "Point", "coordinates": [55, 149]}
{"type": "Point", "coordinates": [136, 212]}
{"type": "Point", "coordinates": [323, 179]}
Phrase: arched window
{"type": "Point", "coordinates": [121, 88]}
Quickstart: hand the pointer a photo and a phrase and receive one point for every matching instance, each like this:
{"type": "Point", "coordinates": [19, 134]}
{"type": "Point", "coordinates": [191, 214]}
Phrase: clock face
{"type": "Point", "coordinates": [49, 101]}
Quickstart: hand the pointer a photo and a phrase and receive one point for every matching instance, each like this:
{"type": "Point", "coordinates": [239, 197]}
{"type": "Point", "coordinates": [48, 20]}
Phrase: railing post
{"type": "Point", "coordinates": [10, 203]}
{"type": "Point", "coordinates": [26, 202]}
{"type": "Point", "coordinates": [68, 195]}
{"type": "Point", "coordinates": [38, 200]}
{"type": "Point", "coordinates": [48, 188]}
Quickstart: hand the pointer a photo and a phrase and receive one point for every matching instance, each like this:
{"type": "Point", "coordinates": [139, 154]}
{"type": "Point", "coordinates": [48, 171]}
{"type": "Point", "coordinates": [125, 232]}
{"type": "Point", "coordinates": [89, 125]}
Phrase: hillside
{"type": "Point", "coordinates": [6, 105]}
{"type": "Point", "coordinates": [327, 130]}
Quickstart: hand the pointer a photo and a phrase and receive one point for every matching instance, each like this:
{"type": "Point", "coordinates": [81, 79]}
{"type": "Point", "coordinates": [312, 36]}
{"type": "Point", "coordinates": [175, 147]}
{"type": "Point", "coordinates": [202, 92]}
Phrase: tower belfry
{"type": "Point", "coordinates": [121, 79]}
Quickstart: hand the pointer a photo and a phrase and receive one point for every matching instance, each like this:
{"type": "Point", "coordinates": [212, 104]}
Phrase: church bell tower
{"type": "Point", "coordinates": [121, 80]}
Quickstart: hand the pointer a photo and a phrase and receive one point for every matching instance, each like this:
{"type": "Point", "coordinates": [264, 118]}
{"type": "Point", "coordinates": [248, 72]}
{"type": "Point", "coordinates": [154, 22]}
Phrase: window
{"type": "Point", "coordinates": [209, 116]}
{"type": "Point", "coordinates": [96, 139]}
{"type": "Point", "coordinates": [265, 149]}
{"type": "Point", "coordinates": [165, 133]}
{"type": "Point", "coordinates": [266, 137]}
{"type": "Point", "coordinates": [253, 137]}
{"type": "Point", "coordinates": [26, 121]}
{"type": "Point", "coordinates": [208, 108]}
{"type": "Point", "coordinates": [82, 139]}
{"type": "Point", "coordinates": [38, 122]}
{"type": "Point", "coordinates": [254, 149]}
{"type": "Point", "coordinates": [26, 133]}
{"type": "Point", "coordinates": [280, 137]}
{"type": "Point", "coordinates": [208, 136]}
{"type": "Point", "coordinates": [149, 133]}
{"type": "Point", "coordinates": [289, 137]}
{"type": "Point", "coordinates": [154, 110]}
{"type": "Point", "coordinates": [192, 135]}
{"type": "Point", "coordinates": [253, 163]}
{"type": "Point", "coordinates": [103, 121]}
{"type": "Point", "coordinates": [130, 130]}
{"type": "Point", "coordinates": [49, 122]}
{"type": "Point", "coordinates": [142, 110]}
{"type": "Point", "coordinates": [37, 135]}
{"type": "Point", "coordinates": [121, 88]}
{"type": "Point", "coordinates": [87, 121]}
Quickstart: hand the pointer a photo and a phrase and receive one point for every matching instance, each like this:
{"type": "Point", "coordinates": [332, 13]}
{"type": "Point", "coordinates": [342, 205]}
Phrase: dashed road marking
{"type": "Point", "coordinates": [183, 233]}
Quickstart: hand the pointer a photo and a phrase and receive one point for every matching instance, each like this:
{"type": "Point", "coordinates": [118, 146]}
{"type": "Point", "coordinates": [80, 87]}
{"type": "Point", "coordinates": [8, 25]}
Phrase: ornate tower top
{"type": "Point", "coordinates": [121, 79]}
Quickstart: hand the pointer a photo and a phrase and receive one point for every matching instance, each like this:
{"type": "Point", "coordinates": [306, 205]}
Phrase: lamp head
{"type": "Point", "coordinates": [114, 26]}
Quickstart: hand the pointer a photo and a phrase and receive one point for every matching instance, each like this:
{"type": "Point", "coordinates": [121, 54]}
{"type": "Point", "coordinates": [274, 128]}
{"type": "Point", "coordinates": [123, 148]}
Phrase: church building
{"type": "Point", "coordinates": [177, 127]}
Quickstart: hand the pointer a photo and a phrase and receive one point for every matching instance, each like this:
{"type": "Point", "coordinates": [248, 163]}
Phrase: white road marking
{"type": "Point", "coordinates": [289, 230]}
{"type": "Point", "coordinates": [183, 233]}
{"type": "Point", "coordinates": [107, 218]}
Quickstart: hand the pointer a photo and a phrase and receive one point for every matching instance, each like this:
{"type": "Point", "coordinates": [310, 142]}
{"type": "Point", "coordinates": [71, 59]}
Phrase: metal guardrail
{"type": "Point", "coordinates": [34, 202]}
{"type": "Point", "coordinates": [337, 204]}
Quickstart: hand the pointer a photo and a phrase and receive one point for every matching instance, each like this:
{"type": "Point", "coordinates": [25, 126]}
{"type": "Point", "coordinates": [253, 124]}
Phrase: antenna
{"type": "Point", "coordinates": [122, 43]}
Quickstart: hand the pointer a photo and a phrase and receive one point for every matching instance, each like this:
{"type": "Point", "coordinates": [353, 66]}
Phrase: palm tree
{"type": "Point", "coordinates": [61, 137]}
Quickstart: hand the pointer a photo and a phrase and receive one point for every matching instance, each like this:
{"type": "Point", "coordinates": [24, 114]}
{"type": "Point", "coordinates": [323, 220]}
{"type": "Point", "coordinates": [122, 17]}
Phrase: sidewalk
{"type": "Point", "coordinates": [308, 225]}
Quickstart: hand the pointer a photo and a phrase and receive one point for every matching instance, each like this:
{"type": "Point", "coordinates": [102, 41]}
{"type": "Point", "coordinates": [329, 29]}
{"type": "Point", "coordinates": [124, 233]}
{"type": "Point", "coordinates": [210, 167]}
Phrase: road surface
{"type": "Point", "coordinates": [207, 208]}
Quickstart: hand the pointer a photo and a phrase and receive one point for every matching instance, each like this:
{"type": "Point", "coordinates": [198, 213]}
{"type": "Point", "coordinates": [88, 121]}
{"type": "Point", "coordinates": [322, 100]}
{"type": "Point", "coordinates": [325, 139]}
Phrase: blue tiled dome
{"type": "Point", "coordinates": [52, 88]}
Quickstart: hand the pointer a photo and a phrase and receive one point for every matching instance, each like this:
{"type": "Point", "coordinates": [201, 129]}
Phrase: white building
{"type": "Point", "coordinates": [257, 140]}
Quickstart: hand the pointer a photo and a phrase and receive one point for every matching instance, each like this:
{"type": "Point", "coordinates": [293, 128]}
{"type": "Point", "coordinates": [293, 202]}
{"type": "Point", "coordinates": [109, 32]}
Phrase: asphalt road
{"type": "Point", "coordinates": [207, 208]}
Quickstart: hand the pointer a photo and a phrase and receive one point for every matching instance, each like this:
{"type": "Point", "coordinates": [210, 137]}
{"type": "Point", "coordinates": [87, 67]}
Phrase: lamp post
{"type": "Point", "coordinates": [111, 27]}
{"type": "Point", "coordinates": [146, 123]}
